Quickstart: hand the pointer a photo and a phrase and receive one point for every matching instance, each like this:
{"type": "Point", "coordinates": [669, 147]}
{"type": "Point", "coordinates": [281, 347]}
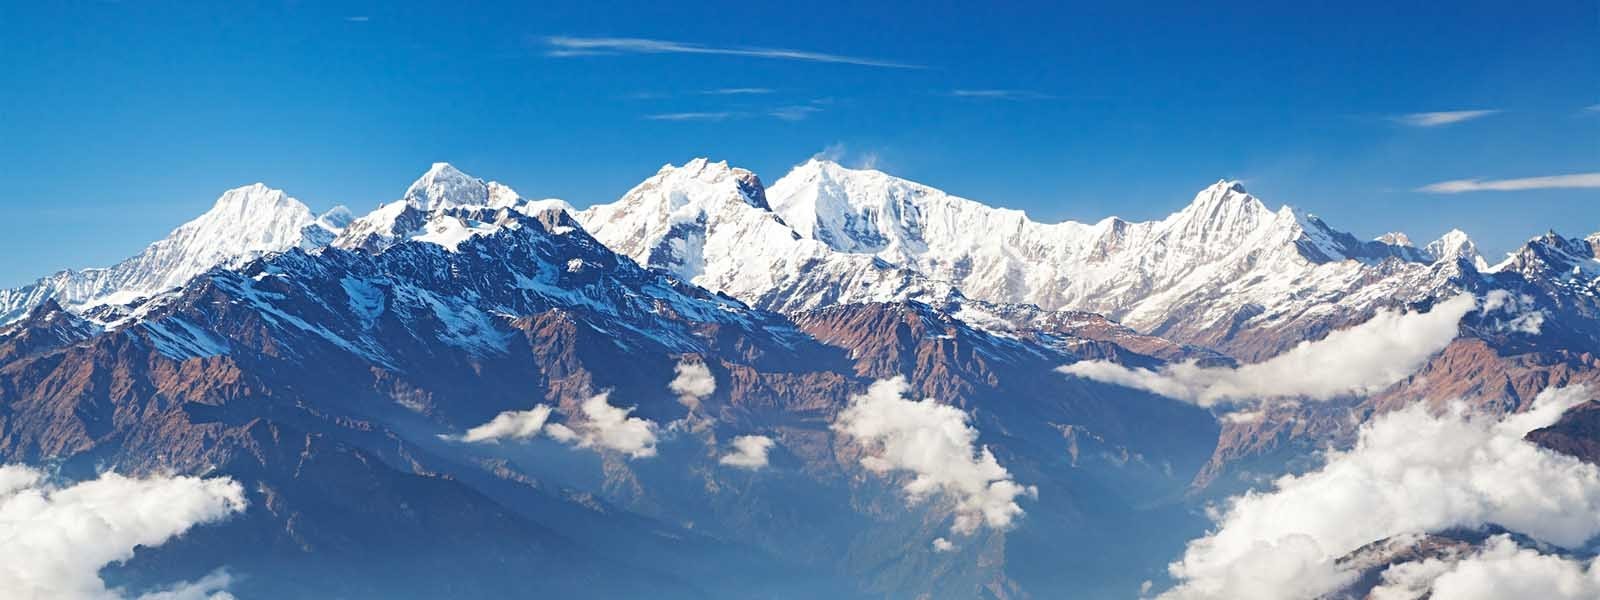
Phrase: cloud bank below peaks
{"type": "Point", "coordinates": [935, 443]}
{"type": "Point", "coordinates": [1409, 473]}
{"type": "Point", "coordinates": [54, 540]}
{"type": "Point", "coordinates": [1359, 360]}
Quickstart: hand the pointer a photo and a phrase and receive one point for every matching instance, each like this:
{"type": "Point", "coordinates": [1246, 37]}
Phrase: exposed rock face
{"type": "Point", "coordinates": [1576, 434]}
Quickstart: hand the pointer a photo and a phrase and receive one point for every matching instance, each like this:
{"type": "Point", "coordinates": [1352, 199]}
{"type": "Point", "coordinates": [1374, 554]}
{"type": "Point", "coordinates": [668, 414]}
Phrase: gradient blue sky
{"type": "Point", "coordinates": [118, 121]}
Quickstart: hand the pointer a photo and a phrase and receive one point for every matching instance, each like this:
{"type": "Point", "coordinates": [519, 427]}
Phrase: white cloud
{"type": "Point", "coordinates": [991, 94]}
{"type": "Point", "coordinates": [746, 91]}
{"type": "Point", "coordinates": [605, 427]}
{"type": "Point", "coordinates": [358, 19]}
{"type": "Point", "coordinates": [512, 424]}
{"type": "Point", "coordinates": [692, 383]}
{"type": "Point", "coordinates": [1551, 182]}
{"type": "Point", "coordinates": [1359, 360]}
{"type": "Point", "coordinates": [936, 444]}
{"type": "Point", "coordinates": [1500, 570]}
{"type": "Point", "coordinates": [1519, 314]}
{"type": "Point", "coordinates": [794, 113]}
{"type": "Point", "coordinates": [749, 452]}
{"type": "Point", "coordinates": [54, 540]}
{"type": "Point", "coordinates": [1409, 473]}
{"type": "Point", "coordinates": [1435, 119]}
{"type": "Point", "coordinates": [210, 587]}
{"type": "Point", "coordinates": [608, 428]}
{"type": "Point", "coordinates": [692, 116]}
{"type": "Point", "coordinates": [587, 46]}
{"type": "Point", "coordinates": [943, 545]}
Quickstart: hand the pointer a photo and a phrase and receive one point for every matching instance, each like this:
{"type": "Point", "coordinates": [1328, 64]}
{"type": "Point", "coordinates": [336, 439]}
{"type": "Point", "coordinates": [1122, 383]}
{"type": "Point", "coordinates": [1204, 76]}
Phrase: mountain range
{"type": "Point", "coordinates": [844, 384]}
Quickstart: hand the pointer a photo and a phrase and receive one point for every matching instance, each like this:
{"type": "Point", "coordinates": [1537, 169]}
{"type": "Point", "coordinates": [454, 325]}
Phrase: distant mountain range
{"type": "Point", "coordinates": [691, 391]}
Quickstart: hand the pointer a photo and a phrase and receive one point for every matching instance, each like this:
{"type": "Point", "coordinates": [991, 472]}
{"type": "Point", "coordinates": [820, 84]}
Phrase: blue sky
{"type": "Point", "coordinates": [118, 121]}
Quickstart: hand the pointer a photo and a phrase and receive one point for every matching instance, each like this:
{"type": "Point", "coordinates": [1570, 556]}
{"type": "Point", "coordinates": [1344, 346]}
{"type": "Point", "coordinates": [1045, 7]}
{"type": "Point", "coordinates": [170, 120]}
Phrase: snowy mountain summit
{"type": "Point", "coordinates": [244, 223]}
{"type": "Point", "coordinates": [1226, 271]}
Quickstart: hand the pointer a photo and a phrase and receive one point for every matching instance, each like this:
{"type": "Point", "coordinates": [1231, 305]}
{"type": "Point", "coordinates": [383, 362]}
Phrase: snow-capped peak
{"type": "Point", "coordinates": [1455, 244]}
{"type": "Point", "coordinates": [336, 219]}
{"type": "Point", "coordinates": [663, 220]}
{"type": "Point", "coordinates": [1223, 207]}
{"type": "Point", "coordinates": [1395, 238]}
{"type": "Point", "coordinates": [244, 223]}
{"type": "Point", "coordinates": [444, 186]}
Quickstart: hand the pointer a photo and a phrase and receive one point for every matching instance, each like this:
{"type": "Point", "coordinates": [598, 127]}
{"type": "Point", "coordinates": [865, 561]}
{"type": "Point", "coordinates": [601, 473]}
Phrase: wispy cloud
{"type": "Point", "coordinates": [564, 46]}
{"type": "Point", "coordinates": [693, 116]}
{"type": "Point", "coordinates": [1551, 182]}
{"type": "Point", "coordinates": [1594, 108]}
{"type": "Point", "coordinates": [798, 112]}
{"type": "Point", "coordinates": [746, 91]}
{"type": "Point", "coordinates": [358, 19]}
{"type": "Point", "coordinates": [992, 94]}
{"type": "Point", "coordinates": [794, 113]}
{"type": "Point", "coordinates": [1435, 119]}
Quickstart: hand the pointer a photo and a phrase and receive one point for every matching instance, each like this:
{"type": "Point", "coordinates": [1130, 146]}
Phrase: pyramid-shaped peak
{"type": "Point", "coordinates": [445, 186]}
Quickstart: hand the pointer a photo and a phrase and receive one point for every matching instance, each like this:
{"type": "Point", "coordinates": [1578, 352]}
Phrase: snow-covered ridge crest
{"type": "Point", "coordinates": [416, 214]}
{"type": "Point", "coordinates": [244, 223]}
{"type": "Point", "coordinates": [1224, 263]}
{"type": "Point", "coordinates": [711, 224]}
{"type": "Point", "coordinates": [445, 186]}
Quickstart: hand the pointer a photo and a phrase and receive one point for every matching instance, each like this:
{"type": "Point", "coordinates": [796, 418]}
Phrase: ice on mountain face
{"type": "Point", "coordinates": [710, 224]}
{"type": "Point", "coordinates": [442, 189]}
{"type": "Point", "coordinates": [381, 228]}
{"type": "Point", "coordinates": [1454, 245]}
{"type": "Point", "coordinates": [534, 208]}
{"type": "Point", "coordinates": [336, 219]}
{"type": "Point", "coordinates": [326, 228]}
{"type": "Point", "coordinates": [243, 224]}
{"type": "Point", "coordinates": [1221, 260]}
{"type": "Point", "coordinates": [443, 186]}
{"type": "Point", "coordinates": [449, 230]}
{"type": "Point", "coordinates": [1555, 258]}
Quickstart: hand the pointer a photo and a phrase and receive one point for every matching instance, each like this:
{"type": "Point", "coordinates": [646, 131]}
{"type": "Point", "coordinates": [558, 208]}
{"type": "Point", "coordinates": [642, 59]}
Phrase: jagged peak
{"type": "Point", "coordinates": [253, 197]}
{"type": "Point", "coordinates": [1224, 209]}
{"type": "Point", "coordinates": [1396, 238]}
{"type": "Point", "coordinates": [1456, 245]}
{"type": "Point", "coordinates": [1227, 185]}
{"type": "Point", "coordinates": [445, 186]}
{"type": "Point", "coordinates": [689, 183]}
